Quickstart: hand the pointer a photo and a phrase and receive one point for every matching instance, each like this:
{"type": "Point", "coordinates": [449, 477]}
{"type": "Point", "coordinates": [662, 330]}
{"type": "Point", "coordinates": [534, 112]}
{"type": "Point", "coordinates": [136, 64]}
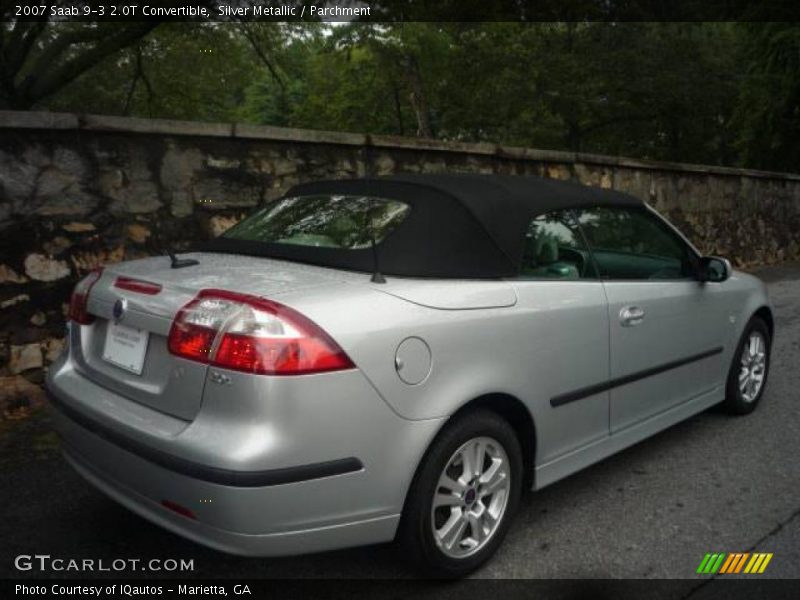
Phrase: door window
{"type": "Point", "coordinates": [554, 249]}
{"type": "Point", "coordinates": [634, 244]}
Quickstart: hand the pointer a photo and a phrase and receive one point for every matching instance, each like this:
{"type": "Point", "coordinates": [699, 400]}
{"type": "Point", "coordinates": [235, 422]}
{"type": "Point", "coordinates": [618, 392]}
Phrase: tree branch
{"type": "Point", "coordinates": [250, 37]}
{"type": "Point", "coordinates": [56, 48]}
{"type": "Point", "coordinates": [138, 72]}
{"type": "Point", "coordinates": [18, 46]}
{"type": "Point", "coordinates": [71, 69]}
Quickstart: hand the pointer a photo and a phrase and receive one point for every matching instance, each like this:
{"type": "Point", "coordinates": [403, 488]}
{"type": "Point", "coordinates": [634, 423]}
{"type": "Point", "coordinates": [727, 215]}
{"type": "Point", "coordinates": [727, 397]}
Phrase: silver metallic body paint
{"type": "Point", "coordinates": [528, 339]}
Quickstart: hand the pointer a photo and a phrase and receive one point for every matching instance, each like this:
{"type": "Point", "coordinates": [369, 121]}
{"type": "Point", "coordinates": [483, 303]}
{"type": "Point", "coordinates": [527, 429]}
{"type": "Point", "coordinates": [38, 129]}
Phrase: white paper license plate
{"type": "Point", "coordinates": [125, 347]}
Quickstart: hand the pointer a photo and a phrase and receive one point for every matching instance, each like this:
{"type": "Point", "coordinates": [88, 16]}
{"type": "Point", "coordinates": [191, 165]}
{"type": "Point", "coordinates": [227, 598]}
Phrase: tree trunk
{"type": "Point", "coordinates": [55, 66]}
{"type": "Point", "coordinates": [417, 98]}
{"type": "Point", "coordinates": [398, 110]}
{"type": "Point", "coordinates": [574, 135]}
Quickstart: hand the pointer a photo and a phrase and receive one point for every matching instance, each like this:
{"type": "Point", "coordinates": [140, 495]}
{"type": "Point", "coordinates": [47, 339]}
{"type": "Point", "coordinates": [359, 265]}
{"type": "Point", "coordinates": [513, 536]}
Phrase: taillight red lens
{"type": "Point", "coordinates": [137, 285]}
{"type": "Point", "coordinates": [80, 297]}
{"type": "Point", "coordinates": [247, 333]}
{"type": "Point", "coordinates": [191, 341]}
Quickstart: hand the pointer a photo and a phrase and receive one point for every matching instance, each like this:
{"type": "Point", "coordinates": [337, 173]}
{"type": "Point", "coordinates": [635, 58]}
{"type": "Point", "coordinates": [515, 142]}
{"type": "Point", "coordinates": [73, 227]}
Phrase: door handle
{"type": "Point", "coordinates": [630, 316]}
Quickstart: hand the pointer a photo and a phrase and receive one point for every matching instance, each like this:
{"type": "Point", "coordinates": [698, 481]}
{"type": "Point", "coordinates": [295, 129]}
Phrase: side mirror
{"type": "Point", "coordinates": [714, 269]}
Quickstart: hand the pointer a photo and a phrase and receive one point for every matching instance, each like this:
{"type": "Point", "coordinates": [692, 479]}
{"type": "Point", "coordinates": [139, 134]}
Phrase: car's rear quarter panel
{"type": "Point", "coordinates": [528, 352]}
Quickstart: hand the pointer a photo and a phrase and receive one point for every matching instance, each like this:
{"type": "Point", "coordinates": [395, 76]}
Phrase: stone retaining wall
{"type": "Point", "coordinates": [78, 191]}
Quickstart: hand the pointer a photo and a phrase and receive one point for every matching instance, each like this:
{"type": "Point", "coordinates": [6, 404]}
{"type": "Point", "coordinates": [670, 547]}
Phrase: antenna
{"type": "Point", "coordinates": [377, 276]}
{"type": "Point", "coordinates": [174, 261]}
{"type": "Point", "coordinates": [179, 263]}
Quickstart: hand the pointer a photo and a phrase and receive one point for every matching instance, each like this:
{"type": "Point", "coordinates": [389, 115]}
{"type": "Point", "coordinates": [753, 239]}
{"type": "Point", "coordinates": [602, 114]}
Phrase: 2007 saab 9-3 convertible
{"type": "Point", "coordinates": [397, 358]}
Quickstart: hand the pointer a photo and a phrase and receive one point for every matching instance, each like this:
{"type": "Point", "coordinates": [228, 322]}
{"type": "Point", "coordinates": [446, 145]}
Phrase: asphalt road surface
{"type": "Point", "coordinates": [714, 483]}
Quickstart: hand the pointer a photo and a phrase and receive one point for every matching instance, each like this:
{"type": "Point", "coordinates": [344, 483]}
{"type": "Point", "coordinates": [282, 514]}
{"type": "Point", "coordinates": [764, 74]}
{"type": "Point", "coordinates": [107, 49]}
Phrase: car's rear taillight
{"type": "Point", "coordinates": [80, 296]}
{"type": "Point", "coordinates": [247, 333]}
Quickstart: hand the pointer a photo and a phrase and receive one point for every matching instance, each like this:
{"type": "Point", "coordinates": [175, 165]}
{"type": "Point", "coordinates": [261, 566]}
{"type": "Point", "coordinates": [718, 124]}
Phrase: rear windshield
{"type": "Point", "coordinates": [327, 221]}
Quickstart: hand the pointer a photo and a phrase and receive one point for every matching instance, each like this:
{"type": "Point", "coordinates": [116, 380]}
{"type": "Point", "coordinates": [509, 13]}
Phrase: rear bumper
{"type": "Point", "coordinates": [281, 543]}
{"type": "Point", "coordinates": [205, 473]}
{"type": "Point", "coordinates": [255, 484]}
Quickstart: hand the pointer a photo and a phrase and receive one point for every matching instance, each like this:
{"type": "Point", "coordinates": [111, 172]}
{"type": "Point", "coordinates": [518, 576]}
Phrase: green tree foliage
{"type": "Point", "coordinates": [768, 115]}
{"type": "Point", "coordinates": [648, 90]}
{"type": "Point", "coordinates": [716, 93]}
{"type": "Point", "coordinates": [38, 60]}
{"type": "Point", "coordinates": [42, 56]}
{"type": "Point", "coordinates": [196, 71]}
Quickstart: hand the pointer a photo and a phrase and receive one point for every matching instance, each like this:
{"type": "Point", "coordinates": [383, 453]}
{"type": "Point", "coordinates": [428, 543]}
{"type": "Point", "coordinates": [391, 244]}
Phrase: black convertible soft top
{"type": "Point", "coordinates": [466, 226]}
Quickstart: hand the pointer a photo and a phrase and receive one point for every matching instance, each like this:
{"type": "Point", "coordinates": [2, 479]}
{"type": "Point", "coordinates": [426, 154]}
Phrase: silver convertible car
{"type": "Point", "coordinates": [397, 358]}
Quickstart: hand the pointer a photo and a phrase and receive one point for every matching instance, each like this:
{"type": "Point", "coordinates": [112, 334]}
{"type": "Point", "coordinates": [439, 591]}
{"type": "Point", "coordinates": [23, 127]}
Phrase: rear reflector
{"type": "Point", "coordinates": [181, 510]}
{"type": "Point", "coordinates": [137, 285]}
{"type": "Point", "coordinates": [80, 298]}
{"type": "Point", "coordinates": [251, 334]}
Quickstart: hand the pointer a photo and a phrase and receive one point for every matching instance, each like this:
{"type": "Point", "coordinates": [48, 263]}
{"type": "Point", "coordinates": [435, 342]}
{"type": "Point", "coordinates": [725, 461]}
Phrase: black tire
{"type": "Point", "coordinates": [415, 535]}
{"type": "Point", "coordinates": [736, 402]}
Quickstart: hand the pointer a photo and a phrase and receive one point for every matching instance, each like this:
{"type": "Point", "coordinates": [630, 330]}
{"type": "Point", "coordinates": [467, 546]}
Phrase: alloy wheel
{"type": "Point", "coordinates": [753, 366]}
{"type": "Point", "coordinates": [471, 497]}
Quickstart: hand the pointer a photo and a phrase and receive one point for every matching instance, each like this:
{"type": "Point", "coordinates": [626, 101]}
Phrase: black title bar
{"type": "Point", "coordinates": [325, 589]}
{"type": "Point", "coordinates": [398, 10]}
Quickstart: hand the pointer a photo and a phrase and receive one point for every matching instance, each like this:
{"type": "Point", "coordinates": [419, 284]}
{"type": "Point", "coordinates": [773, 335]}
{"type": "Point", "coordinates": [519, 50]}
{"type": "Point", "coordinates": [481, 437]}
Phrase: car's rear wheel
{"type": "Point", "coordinates": [464, 496]}
{"type": "Point", "coordinates": [747, 377]}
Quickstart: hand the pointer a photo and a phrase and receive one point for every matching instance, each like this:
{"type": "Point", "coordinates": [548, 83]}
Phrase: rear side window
{"type": "Point", "coordinates": [634, 244]}
{"type": "Point", "coordinates": [323, 221]}
{"type": "Point", "coordinates": [554, 249]}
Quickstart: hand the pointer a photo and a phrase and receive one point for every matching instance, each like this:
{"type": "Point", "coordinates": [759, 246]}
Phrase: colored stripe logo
{"type": "Point", "coordinates": [733, 563]}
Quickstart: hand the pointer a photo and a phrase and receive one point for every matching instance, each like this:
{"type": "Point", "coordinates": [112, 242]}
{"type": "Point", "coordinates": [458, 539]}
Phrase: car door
{"type": "Point", "coordinates": [562, 335]}
{"type": "Point", "coordinates": [666, 328]}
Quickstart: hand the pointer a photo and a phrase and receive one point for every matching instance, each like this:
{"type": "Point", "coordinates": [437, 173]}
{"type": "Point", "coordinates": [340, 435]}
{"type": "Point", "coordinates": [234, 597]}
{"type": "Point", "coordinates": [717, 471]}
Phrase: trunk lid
{"type": "Point", "coordinates": [165, 382]}
{"type": "Point", "coordinates": [174, 385]}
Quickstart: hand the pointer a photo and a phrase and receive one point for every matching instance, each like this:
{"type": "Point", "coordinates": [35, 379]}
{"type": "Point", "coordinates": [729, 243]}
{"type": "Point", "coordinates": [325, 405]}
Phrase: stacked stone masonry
{"type": "Point", "coordinates": [78, 191]}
